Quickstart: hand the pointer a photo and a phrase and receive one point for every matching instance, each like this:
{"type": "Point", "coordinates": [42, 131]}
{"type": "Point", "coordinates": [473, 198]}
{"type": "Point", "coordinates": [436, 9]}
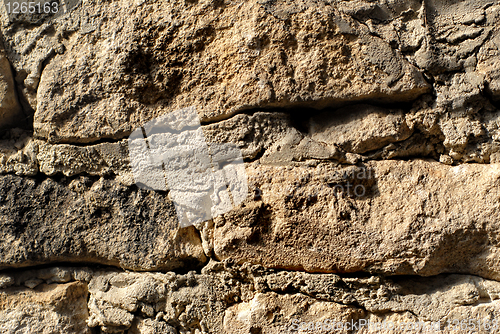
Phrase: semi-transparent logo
{"type": "Point", "coordinates": [204, 179]}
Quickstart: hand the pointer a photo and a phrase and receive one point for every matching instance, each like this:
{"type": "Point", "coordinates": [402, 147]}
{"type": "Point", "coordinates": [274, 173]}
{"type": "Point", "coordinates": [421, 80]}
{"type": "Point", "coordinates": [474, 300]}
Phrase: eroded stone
{"type": "Point", "coordinates": [94, 221]}
{"type": "Point", "coordinates": [54, 308]}
{"type": "Point", "coordinates": [394, 217]}
{"type": "Point", "coordinates": [118, 85]}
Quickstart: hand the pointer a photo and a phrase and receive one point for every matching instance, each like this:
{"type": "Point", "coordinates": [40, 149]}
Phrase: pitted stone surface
{"type": "Point", "coordinates": [393, 217]}
{"type": "Point", "coordinates": [94, 221]}
{"type": "Point", "coordinates": [227, 58]}
{"type": "Point", "coordinates": [369, 132]}
{"type": "Point", "coordinates": [225, 298]}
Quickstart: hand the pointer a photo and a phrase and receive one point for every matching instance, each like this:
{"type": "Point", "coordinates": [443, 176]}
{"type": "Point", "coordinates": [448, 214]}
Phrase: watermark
{"type": "Point", "coordinates": [353, 178]}
{"type": "Point", "coordinates": [38, 10]}
{"type": "Point", "coordinates": [449, 326]}
{"type": "Point", "coordinates": [335, 326]}
{"type": "Point", "coordinates": [352, 181]}
{"type": "Point", "coordinates": [204, 179]}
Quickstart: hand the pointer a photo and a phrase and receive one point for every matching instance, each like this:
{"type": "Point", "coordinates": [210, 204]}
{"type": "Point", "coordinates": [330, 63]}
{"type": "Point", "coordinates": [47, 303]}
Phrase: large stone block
{"type": "Point", "coordinates": [49, 308]}
{"type": "Point", "coordinates": [392, 217]}
{"type": "Point", "coordinates": [92, 221]}
{"type": "Point", "coordinates": [133, 62]}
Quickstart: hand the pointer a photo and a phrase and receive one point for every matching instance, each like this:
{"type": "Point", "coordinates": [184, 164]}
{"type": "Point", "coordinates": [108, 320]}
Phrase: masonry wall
{"type": "Point", "coordinates": [370, 137]}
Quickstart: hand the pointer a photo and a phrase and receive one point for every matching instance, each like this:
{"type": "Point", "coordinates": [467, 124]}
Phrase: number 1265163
{"type": "Point", "coordinates": [51, 7]}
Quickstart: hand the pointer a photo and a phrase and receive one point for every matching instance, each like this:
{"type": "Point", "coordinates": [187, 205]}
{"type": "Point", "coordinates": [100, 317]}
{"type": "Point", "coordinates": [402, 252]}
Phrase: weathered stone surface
{"type": "Point", "coordinates": [343, 135]}
{"type": "Point", "coordinates": [360, 128]}
{"type": "Point", "coordinates": [183, 302]}
{"type": "Point", "coordinates": [52, 308]}
{"type": "Point", "coordinates": [273, 313]}
{"type": "Point", "coordinates": [487, 58]}
{"type": "Point", "coordinates": [253, 134]}
{"type": "Point", "coordinates": [301, 193]}
{"type": "Point", "coordinates": [91, 220]}
{"type": "Point", "coordinates": [370, 135]}
{"type": "Point", "coordinates": [225, 298]}
{"type": "Point", "coordinates": [392, 217]}
{"type": "Point", "coordinates": [10, 110]}
{"type": "Point", "coordinates": [18, 153]}
{"type": "Point", "coordinates": [456, 31]}
{"type": "Point", "coordinates": [226, 58]}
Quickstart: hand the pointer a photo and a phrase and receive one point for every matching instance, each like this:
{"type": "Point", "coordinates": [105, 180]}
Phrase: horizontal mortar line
{"type": "Point", "coordinates": [96, 266]}
{"type": "Point", "coordinates": [247, 111]}
{"type": "Point", "coordinates": [111, 174]}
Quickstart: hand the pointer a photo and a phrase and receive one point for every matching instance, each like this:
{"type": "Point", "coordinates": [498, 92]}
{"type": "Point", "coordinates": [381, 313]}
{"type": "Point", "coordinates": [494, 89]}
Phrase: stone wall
{"type": "Point", "coordinates": [370, 135]}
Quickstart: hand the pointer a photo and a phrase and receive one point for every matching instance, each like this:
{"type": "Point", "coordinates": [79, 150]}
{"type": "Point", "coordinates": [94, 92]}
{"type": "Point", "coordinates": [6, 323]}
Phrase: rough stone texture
{"type": "Point", "coordinates": [225, 298]}
{"type": "Point", "coordinates": [220, 57]}
{"type": "Point", "coordinates": [370, 132]}
{"type": "Point", "coordinates": [91, 220]}
{"type": "Point", "coordinates": [268, 300]}
{"type": "Point", "coordinates": [360, 129]}
{"type": "Point", "coordinates": [52, 308]}
{"type": "Point", "coordinates": [264, 310]}
{"type": "Point", "coordinates": [448, 225]}
{"type": "Point", "coordinates": [10, 110]}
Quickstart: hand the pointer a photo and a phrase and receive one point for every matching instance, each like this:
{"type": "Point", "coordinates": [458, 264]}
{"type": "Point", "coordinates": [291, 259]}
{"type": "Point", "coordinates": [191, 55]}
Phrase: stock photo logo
{"type": "Point", "coordinates": [204, 180]}
{"type": "Point", "coordinates": [38, 10]}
